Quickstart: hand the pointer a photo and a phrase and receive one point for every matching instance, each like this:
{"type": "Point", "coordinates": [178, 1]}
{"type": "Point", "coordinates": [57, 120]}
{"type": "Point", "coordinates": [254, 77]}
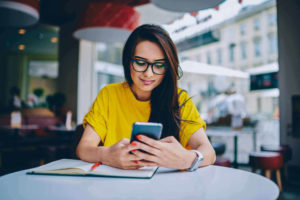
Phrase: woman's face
{"type": "Point", "coordinates": [145, 82]}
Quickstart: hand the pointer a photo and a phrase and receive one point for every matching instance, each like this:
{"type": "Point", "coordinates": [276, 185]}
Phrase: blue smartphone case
{"type": "Point", "coordinates": [150, 129]}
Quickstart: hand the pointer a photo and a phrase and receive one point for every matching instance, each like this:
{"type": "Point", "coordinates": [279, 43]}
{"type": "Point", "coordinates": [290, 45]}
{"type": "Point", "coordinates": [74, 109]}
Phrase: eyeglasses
{"type": "Point", "coordinates": [158, 68]}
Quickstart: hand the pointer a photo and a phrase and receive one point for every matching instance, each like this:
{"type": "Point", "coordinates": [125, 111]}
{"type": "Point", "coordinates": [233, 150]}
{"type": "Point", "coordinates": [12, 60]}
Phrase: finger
{"type": "Point", "coordinates": [146, 156]}
{"type": "Point", "coordinates": [147, 163]}
{"type": "Point", "coordinates": [150, 141]}
{"type": "Point", "coordinates": [133, 166]}
{"type": "Point", "coordinates": [132, 157]}
{"type": "Point", "coordinates": [131, 146]}
{"type": "Point", "coordinates": [124, 141]}
{"type": "Point", "coordinates": [147, 148]}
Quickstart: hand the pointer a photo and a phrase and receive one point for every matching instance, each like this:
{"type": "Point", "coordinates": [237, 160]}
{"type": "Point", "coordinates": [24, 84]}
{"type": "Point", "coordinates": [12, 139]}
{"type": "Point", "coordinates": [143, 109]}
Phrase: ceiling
{"type": "Point", "coordinates": [37, 40]}
{"type": "Point", "coordinates": [56, 13]}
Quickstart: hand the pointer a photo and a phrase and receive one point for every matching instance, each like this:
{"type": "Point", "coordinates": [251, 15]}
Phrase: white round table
{"type": "Point", "coordinates": [212, 182]}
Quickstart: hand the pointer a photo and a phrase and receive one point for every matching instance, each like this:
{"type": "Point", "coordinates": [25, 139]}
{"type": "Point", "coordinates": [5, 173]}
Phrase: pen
{"type": "Point", "coordinates": [95, 165]}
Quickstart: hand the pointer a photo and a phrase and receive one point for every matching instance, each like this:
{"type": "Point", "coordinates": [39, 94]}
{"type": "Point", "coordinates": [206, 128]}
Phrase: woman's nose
{"type": "Point", "coordinates": [149, 72]}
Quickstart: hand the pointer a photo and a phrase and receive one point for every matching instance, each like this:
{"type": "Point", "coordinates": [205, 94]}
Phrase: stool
{"type": "Point", "coordinates": [224, 162]}
{"type": "Point", "coordinates": [285, 150]}
{"type": "Point", "coordinates": [267, 161]}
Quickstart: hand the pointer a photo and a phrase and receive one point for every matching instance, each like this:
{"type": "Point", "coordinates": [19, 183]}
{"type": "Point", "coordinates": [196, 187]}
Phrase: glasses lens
{"type": "Point", "coordinates": [159, 68]}
{"type": "Point", "coordinates": [139, 65]}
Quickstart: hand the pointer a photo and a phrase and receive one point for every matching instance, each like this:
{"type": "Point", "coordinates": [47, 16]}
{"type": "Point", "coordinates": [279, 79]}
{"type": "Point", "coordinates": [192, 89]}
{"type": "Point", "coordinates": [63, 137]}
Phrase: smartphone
{"type": "Point", "coordinates": [149, 129]}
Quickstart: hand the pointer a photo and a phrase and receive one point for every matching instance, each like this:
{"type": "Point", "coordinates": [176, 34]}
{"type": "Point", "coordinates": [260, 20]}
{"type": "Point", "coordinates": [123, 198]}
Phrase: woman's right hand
{"type": "Point", "coordinates": [119, 155]}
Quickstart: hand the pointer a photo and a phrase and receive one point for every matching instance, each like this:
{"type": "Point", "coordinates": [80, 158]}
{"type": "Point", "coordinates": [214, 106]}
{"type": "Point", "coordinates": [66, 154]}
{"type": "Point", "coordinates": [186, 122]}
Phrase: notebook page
{"type": "Point", "coordinates": [112, 171]}
{"type": "Point", "coordinates": [64, 164]}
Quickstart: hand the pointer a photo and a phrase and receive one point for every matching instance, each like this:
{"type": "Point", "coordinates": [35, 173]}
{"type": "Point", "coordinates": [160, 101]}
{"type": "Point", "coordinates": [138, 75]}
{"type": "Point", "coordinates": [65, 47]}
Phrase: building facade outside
{"type": "Point", "coordinates": [245, 41]}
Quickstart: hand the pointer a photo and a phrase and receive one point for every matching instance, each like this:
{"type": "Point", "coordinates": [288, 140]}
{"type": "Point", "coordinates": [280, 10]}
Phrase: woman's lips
{"type": "Point", "coordinates": [147, 82]}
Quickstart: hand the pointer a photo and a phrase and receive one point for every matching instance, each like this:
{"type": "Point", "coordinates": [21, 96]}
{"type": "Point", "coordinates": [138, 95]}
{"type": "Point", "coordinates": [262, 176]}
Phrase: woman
{"type": "Point", "coordinates": [150, 93]}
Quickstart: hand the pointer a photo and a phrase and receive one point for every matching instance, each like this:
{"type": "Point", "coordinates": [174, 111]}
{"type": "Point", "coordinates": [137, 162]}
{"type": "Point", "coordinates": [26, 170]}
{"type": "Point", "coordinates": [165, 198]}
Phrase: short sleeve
{"type": "Point", "coordinates": [191, 120]}
{"type": "Point", "coordinates": [98, 114]}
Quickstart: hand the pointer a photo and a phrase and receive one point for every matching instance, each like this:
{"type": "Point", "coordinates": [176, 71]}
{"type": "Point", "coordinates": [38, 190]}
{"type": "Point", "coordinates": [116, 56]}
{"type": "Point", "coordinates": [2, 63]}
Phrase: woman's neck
{"type": "Point", "coordinates": [140, 95]}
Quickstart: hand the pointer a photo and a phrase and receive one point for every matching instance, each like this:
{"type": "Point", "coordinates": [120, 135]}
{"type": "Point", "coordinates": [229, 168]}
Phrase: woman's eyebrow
{"type": "Point", "coordinates": [162, 59]}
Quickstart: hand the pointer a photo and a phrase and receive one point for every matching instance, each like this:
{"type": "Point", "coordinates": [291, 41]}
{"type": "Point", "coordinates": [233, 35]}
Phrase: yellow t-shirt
{"type": "Point", "coordinates": [116, 109]}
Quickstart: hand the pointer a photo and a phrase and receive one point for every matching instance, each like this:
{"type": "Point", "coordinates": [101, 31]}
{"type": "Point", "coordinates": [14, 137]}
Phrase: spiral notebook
{"type": "Point", "coordinates": [72, 167]}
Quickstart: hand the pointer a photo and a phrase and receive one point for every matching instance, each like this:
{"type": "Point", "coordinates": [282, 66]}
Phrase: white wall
{"type": "Point", "coordinates": [86, 78]}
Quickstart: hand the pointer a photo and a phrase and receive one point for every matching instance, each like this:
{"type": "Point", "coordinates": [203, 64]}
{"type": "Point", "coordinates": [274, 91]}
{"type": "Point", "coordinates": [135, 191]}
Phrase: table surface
{"type": "Point", "coordinates": [228, 131]}
{"type": "Point", "coordinates": [61, 128]}
{"type": "Point", "coordinates": [23, 127]}
{"type": "Point", "coordinates": [212, 182]}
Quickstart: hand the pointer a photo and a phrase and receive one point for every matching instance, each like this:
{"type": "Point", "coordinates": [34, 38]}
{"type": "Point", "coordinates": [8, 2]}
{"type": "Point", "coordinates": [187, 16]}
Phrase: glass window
{"type": "Point", "coordinates": [230, 33]}
{"type": "Point", "coordinates": [256, 24]}
{"type": "Point", "coordinates": [257, 47]}
{"type": "Point", "coordinates": [108, 65]}
{"type": "Point", "coordinates": [208, 57]}
{"type": "Point", "coordinates": [243, 29]}
{"type": "Point", "coordinates": [231, 52]}
{"type": "Point", "coordinates": [272, 19]}
{"type": "Point", "coordinates": [219, 55]}
{"type": "Point", "coordinates": [273, 48]}
{"type": "Point", "coordinates": [199, 58]}
{"type": "Point", "coordinates": [243, 50]}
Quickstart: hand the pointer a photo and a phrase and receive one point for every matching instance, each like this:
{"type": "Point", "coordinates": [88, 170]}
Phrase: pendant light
{"type": "Point", "coordinates": [107, 22]}
{"type": "Point", "coordinates": [19, 13]}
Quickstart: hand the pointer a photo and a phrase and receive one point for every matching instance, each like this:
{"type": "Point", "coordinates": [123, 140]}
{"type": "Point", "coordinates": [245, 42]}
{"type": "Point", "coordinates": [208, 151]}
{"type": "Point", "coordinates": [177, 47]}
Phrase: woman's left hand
{"type": "Point", "coordinates": [167, 152]}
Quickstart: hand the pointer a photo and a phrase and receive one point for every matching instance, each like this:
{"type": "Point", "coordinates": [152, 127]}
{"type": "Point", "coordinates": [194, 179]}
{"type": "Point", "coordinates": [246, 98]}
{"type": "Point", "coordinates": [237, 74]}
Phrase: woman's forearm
{"type": "Point", "coordinates": [91, 154]}
{"type": "Point", "coordinates": [208, 153]}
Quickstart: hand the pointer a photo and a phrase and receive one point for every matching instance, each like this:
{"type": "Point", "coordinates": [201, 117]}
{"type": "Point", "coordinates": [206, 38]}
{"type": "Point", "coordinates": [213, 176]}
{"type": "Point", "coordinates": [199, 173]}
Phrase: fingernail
{"type": "Point", "coordinates": [139, 137]}
{"type": "Point", "coordinates": [133, 150]}
{"type": "Point", "coordinates": [136, 162]}
{"type": "Point", "coordinates": [133, 143]}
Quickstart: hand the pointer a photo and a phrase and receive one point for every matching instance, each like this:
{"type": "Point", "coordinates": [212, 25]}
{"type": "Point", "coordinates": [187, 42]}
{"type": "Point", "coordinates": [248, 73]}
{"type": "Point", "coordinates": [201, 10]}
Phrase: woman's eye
{"type": "Point", "coordinates": [140, 63]}
{"type": "Point", "coordinates": [160, 65]}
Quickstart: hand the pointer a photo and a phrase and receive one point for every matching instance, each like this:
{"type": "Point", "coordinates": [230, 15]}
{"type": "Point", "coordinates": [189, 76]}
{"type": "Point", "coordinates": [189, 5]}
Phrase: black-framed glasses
{"type": "Point", "coordinates": [140, 65]}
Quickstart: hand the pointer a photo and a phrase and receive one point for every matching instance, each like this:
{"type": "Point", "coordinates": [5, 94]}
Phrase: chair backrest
{"type": "Point", "coordinates": [78, 133]}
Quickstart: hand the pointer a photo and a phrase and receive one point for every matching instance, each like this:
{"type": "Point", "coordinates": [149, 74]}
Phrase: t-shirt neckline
{"type": "Point", "coordinates": [132, 96]}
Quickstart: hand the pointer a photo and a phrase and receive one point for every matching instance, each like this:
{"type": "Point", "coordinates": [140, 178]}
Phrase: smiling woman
{"type": "Point", "coordinates": [150, 94]}
{"type": "Point", "coordinates": [144, 78]}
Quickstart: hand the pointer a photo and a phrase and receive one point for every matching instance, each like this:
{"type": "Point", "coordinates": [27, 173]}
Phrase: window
{"type": "Point", "coordinates": [230, 36]}
{"type": "Point", "coordinates": [231, 52]}
{"type": "Point", "coordinates": [273, 48]}
{"type": "Point", "coordinates": [198, 58]}
{"type": "Point", "coordinates": [208, 58]}
{"type": "Point", "coordinates": [243, 29]}
{"type": "Point", "coordinates": [256, 24]}
{"type": "Point", "coordinates": [272, 19]}
{"type": "Point", "coordinates": [257, 47]}
{"type": "Point", "coordinates": [219, 55]}
{"type": "Point", "coordinates": [243, 50]}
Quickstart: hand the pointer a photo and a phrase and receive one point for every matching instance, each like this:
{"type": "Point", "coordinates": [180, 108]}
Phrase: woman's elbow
{"type": "Point", "coordinates": [213, 159]}
{"type": "Point", "coordinates": [78, 151]}
{"type": "Point", "coordinates": [212, 155]}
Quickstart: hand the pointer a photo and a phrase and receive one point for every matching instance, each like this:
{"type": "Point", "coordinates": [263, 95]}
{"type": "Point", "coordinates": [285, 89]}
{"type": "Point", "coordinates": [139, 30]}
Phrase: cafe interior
{"type": "Point", "coordinates": [41, 108]}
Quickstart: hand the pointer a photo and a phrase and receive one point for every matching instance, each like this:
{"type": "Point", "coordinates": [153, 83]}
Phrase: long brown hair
{"type": "Point", "coordinates": [164, 98]}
